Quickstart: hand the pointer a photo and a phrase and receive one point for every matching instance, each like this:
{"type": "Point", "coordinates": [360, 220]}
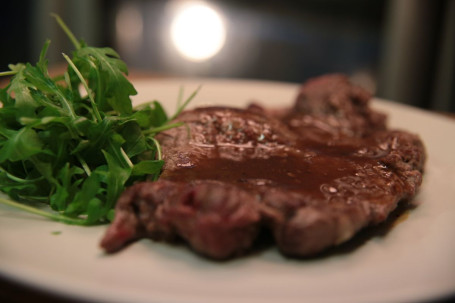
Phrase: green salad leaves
{"type": "Point", "coordinates": [75, 141]}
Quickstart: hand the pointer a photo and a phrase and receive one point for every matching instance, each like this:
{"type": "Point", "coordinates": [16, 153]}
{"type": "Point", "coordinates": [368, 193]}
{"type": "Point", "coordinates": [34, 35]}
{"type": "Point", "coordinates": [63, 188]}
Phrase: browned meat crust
{"type": "Point", "coordinates": [314, 175]}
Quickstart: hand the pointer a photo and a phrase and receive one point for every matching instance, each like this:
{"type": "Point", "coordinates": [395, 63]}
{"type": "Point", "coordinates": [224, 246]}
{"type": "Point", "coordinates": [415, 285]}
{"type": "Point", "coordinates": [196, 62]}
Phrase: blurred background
{"type": "Point", "coordinates": [402, 50]}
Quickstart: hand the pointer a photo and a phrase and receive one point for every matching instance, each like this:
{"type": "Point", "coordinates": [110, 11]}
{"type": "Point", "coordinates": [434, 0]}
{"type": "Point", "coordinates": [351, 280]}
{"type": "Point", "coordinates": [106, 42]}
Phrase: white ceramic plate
{"type": "Point", "coordinates": [415, 261]}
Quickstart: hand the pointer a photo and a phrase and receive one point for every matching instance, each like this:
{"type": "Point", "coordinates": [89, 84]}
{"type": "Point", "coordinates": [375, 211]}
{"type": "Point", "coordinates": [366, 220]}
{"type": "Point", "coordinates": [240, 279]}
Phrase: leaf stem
{"type": "Point", "coordinates": [17, 179]}
{"type": "Point", "coordinates": [84, 83]}
{"type": "Point", "coordinates": [67, 31]}
{"type": "Point", "coordinates": [36, 211]}
{"type": "Point", "coordinates": [158, 148]}
{"type": "Point", "coordinates": [162, 128]}
{"type": "Point", "coordinates": [8, 73]}
{"type": "Point", "coordinates": [126, 158]}
{"type": "Point", "coordinates": [84, 165]}
{"type": "Point", "coordinates": [182, 106]}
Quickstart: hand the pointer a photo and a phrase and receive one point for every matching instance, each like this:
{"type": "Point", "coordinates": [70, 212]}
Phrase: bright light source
{"type": "Point", "coordinates": [198, 32]}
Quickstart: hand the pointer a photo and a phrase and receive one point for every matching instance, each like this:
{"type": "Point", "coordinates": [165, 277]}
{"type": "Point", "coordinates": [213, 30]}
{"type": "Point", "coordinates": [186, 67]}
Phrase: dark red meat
{"type": "Point", "coordinates": [313, 175]}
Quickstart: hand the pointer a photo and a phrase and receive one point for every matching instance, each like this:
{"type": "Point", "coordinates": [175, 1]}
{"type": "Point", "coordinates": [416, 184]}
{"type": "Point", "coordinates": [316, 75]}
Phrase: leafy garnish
{"type": "Point", "coordinates": [75, 141]}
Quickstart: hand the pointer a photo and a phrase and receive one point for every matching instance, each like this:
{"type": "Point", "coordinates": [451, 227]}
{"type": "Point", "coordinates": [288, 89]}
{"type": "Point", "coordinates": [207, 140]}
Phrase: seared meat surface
{"type": "Point", "coordinates": [313, 175]}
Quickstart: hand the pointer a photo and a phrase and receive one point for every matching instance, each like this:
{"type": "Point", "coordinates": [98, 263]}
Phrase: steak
{"type": "Point", "coordinates": [313, 175]}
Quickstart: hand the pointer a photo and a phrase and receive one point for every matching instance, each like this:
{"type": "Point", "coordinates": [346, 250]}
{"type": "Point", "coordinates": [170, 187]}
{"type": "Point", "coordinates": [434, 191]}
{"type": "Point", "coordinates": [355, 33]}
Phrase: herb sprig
{"type": "Point", "coordinates": [75, 141]}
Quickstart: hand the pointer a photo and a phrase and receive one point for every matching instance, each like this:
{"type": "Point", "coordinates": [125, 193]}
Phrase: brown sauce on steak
{"type": "Point", "coordinates": [309, 172]}
{"type": "Point", "coordinates": [314, 175]}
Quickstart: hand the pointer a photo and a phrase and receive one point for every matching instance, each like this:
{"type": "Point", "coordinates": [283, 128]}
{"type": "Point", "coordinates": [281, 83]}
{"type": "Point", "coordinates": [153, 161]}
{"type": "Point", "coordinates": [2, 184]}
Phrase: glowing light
{"type": "Point", "coordinates": [198, 32]}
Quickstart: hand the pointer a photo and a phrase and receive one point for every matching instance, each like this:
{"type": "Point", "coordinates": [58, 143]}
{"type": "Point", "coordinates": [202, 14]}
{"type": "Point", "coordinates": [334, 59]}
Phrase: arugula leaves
{"type": "Point", "coordinates": [75, 141]}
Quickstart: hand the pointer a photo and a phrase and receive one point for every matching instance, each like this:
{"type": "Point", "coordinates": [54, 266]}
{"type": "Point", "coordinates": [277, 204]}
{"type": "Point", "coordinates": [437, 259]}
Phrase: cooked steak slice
{"type": "Point", "coordinates": [331, 107]}
{"type": "Point", "coordinates": [314, 183]}
{"type": "Point", "coordinates": [366, 192]}
{"type": "Point", "coordinates": [225, 133]}
{"type": "Point", "coordinates": [217, 219]}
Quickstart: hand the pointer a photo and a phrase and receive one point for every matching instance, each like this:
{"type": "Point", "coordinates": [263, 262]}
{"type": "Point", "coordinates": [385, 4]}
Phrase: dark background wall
{"type": "Point", "coordinates": [401, 50]}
